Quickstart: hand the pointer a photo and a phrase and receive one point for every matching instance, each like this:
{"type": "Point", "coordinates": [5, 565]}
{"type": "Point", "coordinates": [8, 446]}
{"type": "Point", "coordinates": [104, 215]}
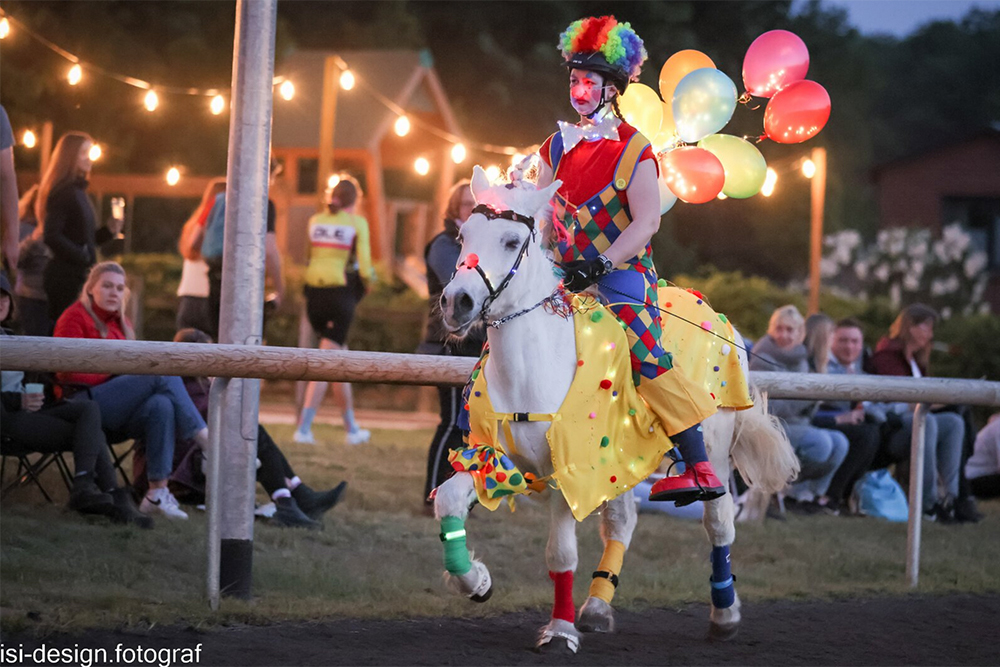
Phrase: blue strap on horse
{"type": "Point", "coordinates": [723, 592]}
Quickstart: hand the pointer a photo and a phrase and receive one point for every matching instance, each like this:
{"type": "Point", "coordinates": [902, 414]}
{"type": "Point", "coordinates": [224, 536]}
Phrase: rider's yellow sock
{"type": "Point", "coordinates": [606, 577]}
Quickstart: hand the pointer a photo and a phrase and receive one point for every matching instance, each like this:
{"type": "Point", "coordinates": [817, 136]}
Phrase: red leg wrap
{"type": "Point", "coordinates": [563, 607]}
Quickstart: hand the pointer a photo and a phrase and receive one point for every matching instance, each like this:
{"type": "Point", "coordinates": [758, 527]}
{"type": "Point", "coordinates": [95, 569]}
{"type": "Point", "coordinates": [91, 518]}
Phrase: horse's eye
{"type": "Point", "coordinates": [512, 245]}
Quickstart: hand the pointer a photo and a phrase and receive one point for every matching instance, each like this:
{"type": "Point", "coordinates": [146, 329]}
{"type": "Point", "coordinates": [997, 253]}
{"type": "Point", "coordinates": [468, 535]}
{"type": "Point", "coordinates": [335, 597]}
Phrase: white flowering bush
{"type": "Point", "coordinates": [907, 265]}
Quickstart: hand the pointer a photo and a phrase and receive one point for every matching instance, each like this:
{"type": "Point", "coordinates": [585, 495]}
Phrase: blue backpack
{"type": "Point", "coordinates": [878, 494]}
{"type": "Point", "coordinates": [215, 231]}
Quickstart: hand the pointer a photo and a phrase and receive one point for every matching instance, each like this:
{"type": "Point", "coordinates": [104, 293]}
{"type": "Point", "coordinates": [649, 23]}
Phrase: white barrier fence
{"type": "Point", "coordinates": [278, 363]}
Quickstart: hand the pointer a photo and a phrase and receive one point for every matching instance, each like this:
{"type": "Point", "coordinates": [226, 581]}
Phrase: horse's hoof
{"type": "Point", "coordinates": [596, 615]}
{"type": "Point", "coordinates": [484, 597]}
{"type": "Point", "coordinates": [559, 646]}
{"type": "Point", "coordinates": [723, 633]}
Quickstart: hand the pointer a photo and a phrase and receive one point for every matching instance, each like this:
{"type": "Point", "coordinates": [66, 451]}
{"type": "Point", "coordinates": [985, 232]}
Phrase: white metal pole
{"type": "Point", "coordinates": [242, 298]}
{"type": "Point", "coordinates": [916, 494]}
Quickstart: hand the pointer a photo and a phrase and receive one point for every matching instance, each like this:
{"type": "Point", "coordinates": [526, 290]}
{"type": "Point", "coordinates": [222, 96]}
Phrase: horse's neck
{"type": "Point", "coordinates": [533, 356]}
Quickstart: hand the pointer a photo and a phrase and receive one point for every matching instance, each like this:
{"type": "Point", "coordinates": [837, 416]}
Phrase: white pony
{"type": "Point", "coordinates": [504, 277]}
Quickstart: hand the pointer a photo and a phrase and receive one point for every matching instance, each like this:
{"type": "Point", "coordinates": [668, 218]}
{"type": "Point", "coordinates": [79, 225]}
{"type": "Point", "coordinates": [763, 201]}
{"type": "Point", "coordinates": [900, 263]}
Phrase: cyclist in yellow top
{"type": "Point", "coordinates": [333, 289]}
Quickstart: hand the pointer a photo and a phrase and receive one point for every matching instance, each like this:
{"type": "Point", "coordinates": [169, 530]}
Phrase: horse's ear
{"type": "Point", "coordinates": [480, 182]}
{"type": "Point", "coordinates": [545, 195]}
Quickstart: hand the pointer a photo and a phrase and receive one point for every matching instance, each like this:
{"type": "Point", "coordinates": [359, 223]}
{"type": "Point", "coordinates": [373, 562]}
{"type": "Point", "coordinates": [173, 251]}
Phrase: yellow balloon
{"type": "Point", "coordinates": [667, 136]}
{"type": "Point", "coordinates": [642, 109]}
{"type": "Point", "coordinates": [744, 165]}
{"type": "Point", "coordinates": [677, 67]}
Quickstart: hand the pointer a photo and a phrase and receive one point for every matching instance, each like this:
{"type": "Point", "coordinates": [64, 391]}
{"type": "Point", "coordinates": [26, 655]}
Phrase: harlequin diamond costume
{"type": "Point", "coordinates": [596, 161]}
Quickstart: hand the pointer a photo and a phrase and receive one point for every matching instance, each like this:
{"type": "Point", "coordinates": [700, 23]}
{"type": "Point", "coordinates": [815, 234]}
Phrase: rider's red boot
{"type": "Point", "coordinates": [697, 483]}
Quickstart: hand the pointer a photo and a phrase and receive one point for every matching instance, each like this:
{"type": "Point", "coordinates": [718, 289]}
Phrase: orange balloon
{"type": "Point", "coordinates": [677, 67]}
{"type": "Point", "coordinates": [693, 174]}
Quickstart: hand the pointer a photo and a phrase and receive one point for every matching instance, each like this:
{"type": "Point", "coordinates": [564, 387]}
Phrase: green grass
{"type": "Point", "coordinates": [379, 556]}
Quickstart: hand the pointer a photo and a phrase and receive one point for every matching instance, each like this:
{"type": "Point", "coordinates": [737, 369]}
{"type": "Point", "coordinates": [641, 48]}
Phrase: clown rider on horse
{"type": "Point", "coordinates": [606, 212]}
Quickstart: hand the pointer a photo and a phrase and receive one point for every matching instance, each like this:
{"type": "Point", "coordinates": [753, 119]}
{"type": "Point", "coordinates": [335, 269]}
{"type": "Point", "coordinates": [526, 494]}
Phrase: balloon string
{"type": "Point", "coordinates": [745, 98]}
{"type": "Point", "coordinates": [761, 138]}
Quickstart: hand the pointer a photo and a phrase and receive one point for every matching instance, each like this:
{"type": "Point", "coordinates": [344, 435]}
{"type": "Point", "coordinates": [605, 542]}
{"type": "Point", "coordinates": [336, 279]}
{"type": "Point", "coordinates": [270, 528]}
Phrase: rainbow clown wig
{"type": "Point", "coordinates": [602, 44]}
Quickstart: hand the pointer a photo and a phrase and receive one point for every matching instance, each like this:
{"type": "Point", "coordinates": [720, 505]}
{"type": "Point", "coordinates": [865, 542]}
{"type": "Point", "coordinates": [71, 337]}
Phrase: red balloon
{"type": "Point", "coordinates": [797, 112]}
{"type": "Point", "coordinates": [774, 60]}
{"type": "Point", "coordinates": [693, 174]}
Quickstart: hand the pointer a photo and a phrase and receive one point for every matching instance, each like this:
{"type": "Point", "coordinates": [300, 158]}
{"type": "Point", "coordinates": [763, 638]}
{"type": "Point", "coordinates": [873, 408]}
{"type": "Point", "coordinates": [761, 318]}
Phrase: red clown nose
{"type": "Point", "coordinates": [472, 260]}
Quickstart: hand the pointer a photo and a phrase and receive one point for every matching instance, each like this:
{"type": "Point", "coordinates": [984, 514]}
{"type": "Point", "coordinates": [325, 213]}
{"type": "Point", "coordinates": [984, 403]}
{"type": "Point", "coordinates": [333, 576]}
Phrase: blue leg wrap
{"type": "Point", "coordinates": [723, 591]}
{"type": "Point", "coordinates": [691, 443]}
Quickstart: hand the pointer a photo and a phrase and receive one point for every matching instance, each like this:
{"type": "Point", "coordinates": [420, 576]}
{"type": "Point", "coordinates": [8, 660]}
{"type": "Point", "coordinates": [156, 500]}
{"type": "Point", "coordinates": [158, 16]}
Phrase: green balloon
{"type": "Point", "coordinates": [744, 165]}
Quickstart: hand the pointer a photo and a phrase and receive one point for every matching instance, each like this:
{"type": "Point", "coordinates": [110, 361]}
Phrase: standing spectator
{"type": "Point", "coordinates": [212, 246]}
{"type": "Point", "coordinates": [441, 256]}
{"type": "Point", "coordinates": [983, 467]}
{"type": "Point", "coordinates": [907, 351]}
{"type": "Point", "coordinates": [69, 224]}
{"type": "Point", "coordinates": [155, 408]}
{"type": "Point", "coordinates": [820, 450]}
{"type": "Point", "coordinates": [33, 257]}
{"type": "Point", "coordinates": [332, 292]}
{"type": "Point", "coordinates": [31, 425]}
{"type": "Point", "coordinates": [192, 307]}
{"type": "Point", "coordinates": [8, 194]}
{"type": "Point", "coordinates": [837, 350]}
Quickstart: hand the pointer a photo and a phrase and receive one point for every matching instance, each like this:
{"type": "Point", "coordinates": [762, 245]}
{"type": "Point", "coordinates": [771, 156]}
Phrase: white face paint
{"type": "Point", "coordinates": [585, 89]}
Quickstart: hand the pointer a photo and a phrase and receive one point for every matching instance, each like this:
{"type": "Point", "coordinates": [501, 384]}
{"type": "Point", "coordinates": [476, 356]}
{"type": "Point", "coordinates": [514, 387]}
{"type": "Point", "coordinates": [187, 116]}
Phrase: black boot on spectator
{"type": "Point", "coordinates": [126, 511]}
{"type": "Point", "coordinates": [86, 498]}
{"type": "Point", "coordinates": [314, 503]}
{"type": "Point", "coordinates": [966, 510]}
{"type": "Point", "coordinates": [288, 514]}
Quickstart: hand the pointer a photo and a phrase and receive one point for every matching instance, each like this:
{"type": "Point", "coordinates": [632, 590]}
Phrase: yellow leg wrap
{"type": "Point", "coordinates": [676, 401]}
{"type": "Point", "coordinates": [602, 587]}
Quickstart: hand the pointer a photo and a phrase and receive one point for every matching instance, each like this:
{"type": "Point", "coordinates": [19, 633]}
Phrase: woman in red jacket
{"type": "Point", "coordinates": [155, 408]}
{"type": "Point", "coordinates": [906, 351]}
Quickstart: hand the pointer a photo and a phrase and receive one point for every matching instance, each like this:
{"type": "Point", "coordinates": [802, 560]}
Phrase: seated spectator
{"type": "Point", "coordinates": [983, 467]}
{"type": "Point", "coordinates": [31, 425]}
{"type": "Point", "coordinates": [820, 450]}
{"type": "Point", "coordinates": [152, 407]}
{"type": "Point", "coordinates": [833, 350]}
{"type": "Point", "coordinates": [906, 351]}
{"type": "Point", "coordinates": [297, 504]}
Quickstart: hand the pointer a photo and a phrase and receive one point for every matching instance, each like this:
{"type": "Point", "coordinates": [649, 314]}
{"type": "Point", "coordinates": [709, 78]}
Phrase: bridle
{"type": "Point", "coordinates": [472, 261]}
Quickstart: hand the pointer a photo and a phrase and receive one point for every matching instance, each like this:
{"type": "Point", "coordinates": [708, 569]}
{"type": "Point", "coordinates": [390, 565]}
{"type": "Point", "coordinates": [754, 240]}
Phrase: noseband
{"type": "Point", "coordinates": [472, 261]}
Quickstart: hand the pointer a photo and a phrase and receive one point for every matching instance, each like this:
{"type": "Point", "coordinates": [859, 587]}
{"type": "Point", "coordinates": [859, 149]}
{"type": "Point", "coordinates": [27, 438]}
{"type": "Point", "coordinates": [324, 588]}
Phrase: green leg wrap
{"type": "Point", "coordinates": [456, 554]}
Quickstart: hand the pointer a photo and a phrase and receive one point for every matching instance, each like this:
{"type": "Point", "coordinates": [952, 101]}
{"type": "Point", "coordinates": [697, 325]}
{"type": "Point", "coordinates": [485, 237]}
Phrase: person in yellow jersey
{"type": "Point", "coordinates": [338, 239]}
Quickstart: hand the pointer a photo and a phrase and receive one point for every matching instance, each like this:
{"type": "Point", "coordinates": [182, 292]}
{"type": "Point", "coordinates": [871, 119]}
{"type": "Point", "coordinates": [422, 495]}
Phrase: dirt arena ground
{"type": "Point", "coordinates": [947, 630]}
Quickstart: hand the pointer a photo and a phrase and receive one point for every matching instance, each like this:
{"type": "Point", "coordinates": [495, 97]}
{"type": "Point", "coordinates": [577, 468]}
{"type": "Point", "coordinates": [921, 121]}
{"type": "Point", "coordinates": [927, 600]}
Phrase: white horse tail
{"type": "Point", "coordinates": [761, 449]}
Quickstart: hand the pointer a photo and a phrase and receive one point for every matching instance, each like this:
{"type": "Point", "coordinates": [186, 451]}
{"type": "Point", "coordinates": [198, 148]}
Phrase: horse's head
{"type": "Point", "coordinates": [500, 239]}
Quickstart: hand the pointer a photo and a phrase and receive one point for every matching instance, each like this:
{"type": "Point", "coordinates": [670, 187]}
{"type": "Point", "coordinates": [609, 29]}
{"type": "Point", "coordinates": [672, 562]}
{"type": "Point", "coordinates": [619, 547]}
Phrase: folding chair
{"type": "Point", "coordinates": [29, 471]}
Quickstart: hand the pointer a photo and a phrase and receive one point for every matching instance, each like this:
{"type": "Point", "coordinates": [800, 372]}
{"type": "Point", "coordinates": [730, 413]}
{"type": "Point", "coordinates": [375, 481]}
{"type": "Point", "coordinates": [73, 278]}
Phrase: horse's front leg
{"type": "Point", "coordinates": [719, 524]}
{"type": "Point", "coordinates": [559, 634]}
{"type": "Point", "coordinates": [617, 525]}
{"type": "Point", "coordinates": [463, 575]}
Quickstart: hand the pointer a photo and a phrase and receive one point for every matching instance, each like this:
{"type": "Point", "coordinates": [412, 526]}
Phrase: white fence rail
{"type": "Point", "coordinates": [280, 363]}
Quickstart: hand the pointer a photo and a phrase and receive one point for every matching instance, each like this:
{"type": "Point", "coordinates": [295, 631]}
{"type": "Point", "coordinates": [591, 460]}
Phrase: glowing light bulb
{"type": "Point", "coordinates": [722, 195]}
{"type": "Point", "coordinates": [95, 152]}
{"type": "Point", "coordinates": [808, 168]}
{"type": "Point", "coordinates": [75, 75]}
{"type": "Point", "coordinates": [173, 176]}
{"type": "Point", "coordinates": [217, 105]}
{"type": "Point", "coordinates": [28, 139]}
{"type": "Point", "coordinates": [769, 182]}
{"type": "Point", "coordinates": [4, 28]}
{"type": "Point", "coordinates": [151, 100]}
{"type": "Point", "coordinates": [492, 172]}
{"type": "Point", "coordinates": [458, 153]}
{"type": "Point", "coordinates": [347, 79]}
{"type": "Point", "coordinates": [402, 126]}
{"type": "Point", "coordinates": [332, 181]}
{"type": "Point", "coordinates": [422, 166]}
{"type": "Point", "coordinates": [286, 90]}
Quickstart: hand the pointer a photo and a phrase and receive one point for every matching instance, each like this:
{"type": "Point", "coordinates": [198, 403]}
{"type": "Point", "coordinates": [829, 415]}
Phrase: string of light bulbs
{"type": "Point", "coordinates": [285, 88]}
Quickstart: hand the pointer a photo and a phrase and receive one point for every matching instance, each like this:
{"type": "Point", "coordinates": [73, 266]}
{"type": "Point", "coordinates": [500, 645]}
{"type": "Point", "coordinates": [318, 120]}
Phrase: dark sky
{"type": "Point", "coordinates": [900, 17]}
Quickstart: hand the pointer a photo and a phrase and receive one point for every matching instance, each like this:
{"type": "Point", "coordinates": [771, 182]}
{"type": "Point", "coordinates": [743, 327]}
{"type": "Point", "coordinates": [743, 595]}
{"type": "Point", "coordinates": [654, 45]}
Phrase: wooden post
{"type": "Point", "coordinates": [327, 126]}
{"type": "Point", "coordinates": [818, 200]}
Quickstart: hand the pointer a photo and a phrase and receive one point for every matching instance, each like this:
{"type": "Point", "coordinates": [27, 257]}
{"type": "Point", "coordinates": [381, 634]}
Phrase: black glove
{"type": "Point", "coordinates": [583, 273]}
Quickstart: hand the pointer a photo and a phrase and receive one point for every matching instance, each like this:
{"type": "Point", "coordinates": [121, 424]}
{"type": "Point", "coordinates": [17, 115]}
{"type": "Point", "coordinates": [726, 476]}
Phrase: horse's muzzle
{"type": "Point", "coordinates": [458, 312]}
